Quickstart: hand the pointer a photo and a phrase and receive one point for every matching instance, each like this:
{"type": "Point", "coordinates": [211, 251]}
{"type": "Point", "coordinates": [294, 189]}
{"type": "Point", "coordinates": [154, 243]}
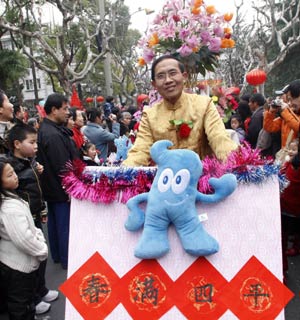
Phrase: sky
{"type": "Point", "coordinates": [139, 20]}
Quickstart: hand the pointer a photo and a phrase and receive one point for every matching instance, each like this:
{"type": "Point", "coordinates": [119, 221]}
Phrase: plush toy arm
{"type": "Point", "coordinates": [136, 216]}
{"type": "Point", "coordinates": [223, 187]}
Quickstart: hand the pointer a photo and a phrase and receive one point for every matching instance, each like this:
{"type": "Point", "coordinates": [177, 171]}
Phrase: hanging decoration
{"type": "Point", "coordinates": [89, 99]}
{"type": "Point", "coordinates": [100, 99]}
{"type": "Point", "coordinates": [75, 101]}
{"type": "Point", "coordinates": [123, 183]}
{"type": "Point", "coordinates": [256, 77]}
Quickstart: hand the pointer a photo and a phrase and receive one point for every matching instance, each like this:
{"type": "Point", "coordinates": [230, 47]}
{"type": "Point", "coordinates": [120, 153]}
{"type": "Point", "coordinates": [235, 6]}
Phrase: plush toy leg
{"type": "Point", "coordinates": [153, 244]}
{"type": "Point", "coordinates": [195, 240]}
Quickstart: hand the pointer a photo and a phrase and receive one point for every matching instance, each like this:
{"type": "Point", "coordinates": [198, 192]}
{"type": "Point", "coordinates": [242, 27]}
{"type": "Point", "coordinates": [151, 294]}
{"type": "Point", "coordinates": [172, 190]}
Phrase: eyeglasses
{"type": "Point", "coordinates": [163, 75]}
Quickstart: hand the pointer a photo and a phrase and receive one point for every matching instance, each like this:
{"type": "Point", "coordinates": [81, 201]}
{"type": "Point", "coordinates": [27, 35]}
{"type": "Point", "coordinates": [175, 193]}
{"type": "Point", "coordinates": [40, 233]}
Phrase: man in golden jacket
{"type": "Point", "coordinates": [208, 134]}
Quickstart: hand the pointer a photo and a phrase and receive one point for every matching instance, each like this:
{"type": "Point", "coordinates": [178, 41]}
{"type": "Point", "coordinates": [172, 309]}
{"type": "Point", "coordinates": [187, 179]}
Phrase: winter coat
{"type": "Point", "coordinates": [55, 149]}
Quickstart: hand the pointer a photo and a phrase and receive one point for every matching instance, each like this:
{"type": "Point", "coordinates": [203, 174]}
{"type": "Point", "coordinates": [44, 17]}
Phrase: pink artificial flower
{"type": "Point", "coordinates": [148, 55]}
{"type": "Point", "coordinates": [173, 5]}
{"type": "Point", "coordinates": [219, 31]}
{"type": "Point", "coordinates": [183, 34]}
{"type": "Point", "coordinates": [157, 19]}
{"type": "Point", "coordinates": [192, 42]}
{"type": "Point", "coordinates": [167, 31]}
{"type": "Point", "coordinates": [205, 36]}
{"type": "Point", "coordinates": [204, 21]}
{"type": "Point", "coordinates": [184, 50]}
{"type": "Point", "coordinates": [214, 44]}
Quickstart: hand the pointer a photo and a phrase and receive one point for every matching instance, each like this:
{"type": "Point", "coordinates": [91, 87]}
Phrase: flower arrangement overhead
{"type": "Point", "coordinates": [193, 32]}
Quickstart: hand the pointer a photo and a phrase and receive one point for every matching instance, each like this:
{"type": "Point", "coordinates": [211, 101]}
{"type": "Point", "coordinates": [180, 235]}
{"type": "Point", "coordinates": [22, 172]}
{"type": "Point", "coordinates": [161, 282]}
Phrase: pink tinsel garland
{"type": "Point", "coordinates": [121, 185]}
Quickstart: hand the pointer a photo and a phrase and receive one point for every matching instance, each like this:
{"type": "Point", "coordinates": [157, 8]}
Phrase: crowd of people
{"type": "Point", "coordinates": [35, 152]}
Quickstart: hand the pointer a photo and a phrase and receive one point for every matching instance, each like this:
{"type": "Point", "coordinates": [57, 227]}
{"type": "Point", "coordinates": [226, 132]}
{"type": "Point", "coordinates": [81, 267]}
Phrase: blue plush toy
{"type": "Point", "coordinates": [172, 199]}
{"type": "Point", "coordinates": [123, 144]}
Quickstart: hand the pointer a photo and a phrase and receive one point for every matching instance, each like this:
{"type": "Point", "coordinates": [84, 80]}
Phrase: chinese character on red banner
{"type": "Point", "coordinates": [195, 291]}
{"type": "Point", "coordinates": [145, 292]}
{"type": "Point", "coordinates": [92, 289]}
{"type": "Point", "coordinates": [255, 293]}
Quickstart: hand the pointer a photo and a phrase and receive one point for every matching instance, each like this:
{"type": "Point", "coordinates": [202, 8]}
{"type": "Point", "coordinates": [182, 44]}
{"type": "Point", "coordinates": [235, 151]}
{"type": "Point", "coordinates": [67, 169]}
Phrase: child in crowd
{"type": "Point", "coordinates": [89, 154]}
{"type": "Point", "coordinates": [22, 141]}
{"type": "Point", "coordinates": [236, 124]}
{"type": "Point", "coordinates": [22, 248]}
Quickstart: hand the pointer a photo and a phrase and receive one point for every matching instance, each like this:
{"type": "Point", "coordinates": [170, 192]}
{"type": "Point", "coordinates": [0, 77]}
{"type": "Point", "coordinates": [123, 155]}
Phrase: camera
{"type": "Point", "coordinates": [277, 103]}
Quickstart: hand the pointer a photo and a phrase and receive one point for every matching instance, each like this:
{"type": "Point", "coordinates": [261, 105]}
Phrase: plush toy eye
{"type": "Point", "coordinates": [165, 180]}
{"type": "Point", "coordinates": [180, 181]}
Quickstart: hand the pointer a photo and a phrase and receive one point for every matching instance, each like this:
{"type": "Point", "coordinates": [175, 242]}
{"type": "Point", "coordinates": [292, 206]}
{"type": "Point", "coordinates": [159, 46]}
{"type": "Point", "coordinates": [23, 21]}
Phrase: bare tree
{"type": "Point", "coordinates": [264, 42]}
{"type": "Point", "coordinates": [53, 44]}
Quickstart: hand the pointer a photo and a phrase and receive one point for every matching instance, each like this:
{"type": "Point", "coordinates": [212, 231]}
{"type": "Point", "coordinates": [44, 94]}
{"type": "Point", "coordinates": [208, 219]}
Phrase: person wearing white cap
{"type": "Point", "coordinates": [288, 120]}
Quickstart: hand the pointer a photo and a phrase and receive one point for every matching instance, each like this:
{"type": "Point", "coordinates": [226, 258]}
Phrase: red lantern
{"type": "Point", "coordinates": [89, 99]}
{"type": "Point", "coordinates": [256, 77]}
{"type": "Point", "coordinates": [100, 99]}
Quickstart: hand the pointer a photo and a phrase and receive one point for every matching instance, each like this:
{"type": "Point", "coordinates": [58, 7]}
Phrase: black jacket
{"type": "Point", "coordinates": [55, 149]}
{"type": "Point", "coordinates": [255, 125]}
{"type": "Point", "coordinates": [29, 187]}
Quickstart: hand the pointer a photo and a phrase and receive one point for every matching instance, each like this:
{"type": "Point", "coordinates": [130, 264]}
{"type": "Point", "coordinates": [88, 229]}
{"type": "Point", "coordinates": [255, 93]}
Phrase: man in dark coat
{"type": "Point", "coordinates": [256, 104]}
{"type": "Point", "coordinates": [55, 149]}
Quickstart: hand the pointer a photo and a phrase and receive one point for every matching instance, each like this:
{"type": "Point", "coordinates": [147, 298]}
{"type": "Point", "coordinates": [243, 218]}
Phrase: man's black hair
{"type": "Point", "coordinates": [258, 98]}
{"type": "Point", "coordinates": [165, 57]}
{"type": "Point", "coordinates": [55, 100]}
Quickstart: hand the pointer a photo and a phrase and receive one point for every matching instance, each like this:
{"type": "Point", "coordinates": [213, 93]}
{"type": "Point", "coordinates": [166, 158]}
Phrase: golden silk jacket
{"type": "Point", "coordinates": [207, 136]}
{"type": "Point", "coordinates": [287, 121]}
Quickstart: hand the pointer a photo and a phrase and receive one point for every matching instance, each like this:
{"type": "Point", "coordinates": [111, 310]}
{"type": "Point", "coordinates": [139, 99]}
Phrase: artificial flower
{"type": "Point", "coordinates": [184, 130]}
{"type": "Point", "coordinates": [227, 43]}
{"type": "Point", "coordinates": [141, 61]}
{"type": "Point", "coordinates": [182, 127]}
{"type": "Point", "coordinates": [195, 10]}
{"type": "Point", "coordinates": [189, 30]}
{"type": "Point", "coordinates": [198, 3]}
{"type": "Point", "coordinates": [211, 10]}
{"type": "Point", "coordinates": [225, 102]}
{"type": "Point", "coordinates": [228, 16]}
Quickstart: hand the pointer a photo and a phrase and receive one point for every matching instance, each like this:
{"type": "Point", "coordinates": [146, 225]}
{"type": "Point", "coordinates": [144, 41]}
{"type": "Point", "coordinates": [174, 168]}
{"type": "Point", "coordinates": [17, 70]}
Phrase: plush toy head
{"type": "Point", "coordinates": [123, 144]}
{"type": "Point", "coordinates": [172, 199]}
{"type": "Point", "coordinates": [180, 168]}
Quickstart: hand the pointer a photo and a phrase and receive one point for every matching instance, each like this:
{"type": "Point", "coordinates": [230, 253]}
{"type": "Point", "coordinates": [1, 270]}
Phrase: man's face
{"type": "Point", "coordinates": [169, 80]}
{"type": "Point", "coordinates": [294, 103]}
{"type": "Point", "coordinates": [253, 105]}
{"type": "Point", "coordinates": [7, 110]}
{"type": "Point", "coordinates": [61, 115]}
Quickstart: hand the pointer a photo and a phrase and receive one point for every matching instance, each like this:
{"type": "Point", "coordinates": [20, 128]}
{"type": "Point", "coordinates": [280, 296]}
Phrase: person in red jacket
{"type": "Point", "coordinates": [290, 204]}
